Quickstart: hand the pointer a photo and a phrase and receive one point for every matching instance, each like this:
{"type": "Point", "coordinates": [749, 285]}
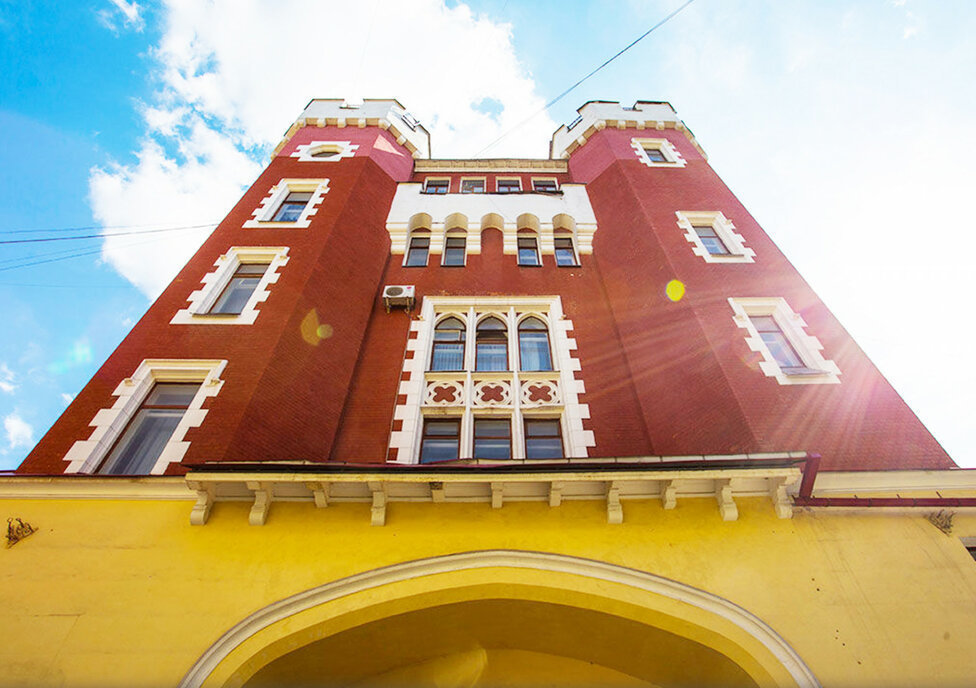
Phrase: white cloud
{"type": "Point", "coordinates": [19, 432]}
{"type": "Point", "coordinates": [223, 102]}
{"type": "Point", "coordinates": [129, 13]}
{"type": "Point", "coordinates": [66, 398]}
{"type": "Point", "coordinates": [7, 379]}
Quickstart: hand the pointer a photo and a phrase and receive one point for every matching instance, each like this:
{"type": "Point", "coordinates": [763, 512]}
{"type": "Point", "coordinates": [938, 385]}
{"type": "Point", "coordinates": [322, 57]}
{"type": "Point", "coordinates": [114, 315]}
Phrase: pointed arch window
{"type": "Point", "coordinates": [491, 345]}
{"type": "Point", "coordinates": [448, 350]}
{"type": "Point", "coordinates": [534, 351]}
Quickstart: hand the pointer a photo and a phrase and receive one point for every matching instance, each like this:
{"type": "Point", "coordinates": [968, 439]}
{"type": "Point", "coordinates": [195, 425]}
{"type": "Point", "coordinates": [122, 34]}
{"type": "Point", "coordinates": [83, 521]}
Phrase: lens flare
{"type": "Point", "coordinates": [312, 331]}
{"type": "Point", "coordinates": [675, 290]}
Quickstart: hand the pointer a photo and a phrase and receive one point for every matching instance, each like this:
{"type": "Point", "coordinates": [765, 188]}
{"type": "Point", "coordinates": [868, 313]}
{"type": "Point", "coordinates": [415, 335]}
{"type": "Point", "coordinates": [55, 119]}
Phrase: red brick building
{"type": "Point", "coordinates": [738, 358]}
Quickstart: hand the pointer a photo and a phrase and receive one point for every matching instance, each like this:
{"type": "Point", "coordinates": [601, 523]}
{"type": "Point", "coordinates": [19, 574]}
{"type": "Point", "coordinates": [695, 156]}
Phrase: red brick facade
{"type": "Point", "coordinates": [662, 377]}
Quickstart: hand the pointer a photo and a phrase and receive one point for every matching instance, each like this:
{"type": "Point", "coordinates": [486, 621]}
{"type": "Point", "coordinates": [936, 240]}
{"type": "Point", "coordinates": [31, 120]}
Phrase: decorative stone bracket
{"type": "Point", "coordinates": [614, 485]}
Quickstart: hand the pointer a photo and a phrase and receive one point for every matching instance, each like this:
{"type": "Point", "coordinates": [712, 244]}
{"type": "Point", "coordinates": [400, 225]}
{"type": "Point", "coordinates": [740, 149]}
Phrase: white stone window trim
{"type": "Point", "coordinates": [85, 456]}
{"type": "Point", "coordinates": [214, 284]}
{"type": "Point", "coordinates": [262, 216]}
{"type": "Point", "coordinates": [512, 310]}
{"type": "Point", "coordinates": [436, 179]}
{"type": "Point", "coordinates": [554, 180]}
{"type": "Point", "coordinates": [341, 149]}
{"type": "Point", "coordinates": [792, 325]}
{"type": "Point", "coordinates": [424, 233]}
{"type": "Point", "coordinates": [734, 242]}
{"type": "Point", "coordinates": [483, 180]}
{"type": "Point", "coordinates": [508, 179]}
{"type": "Point", "coordinates": [667, 149]}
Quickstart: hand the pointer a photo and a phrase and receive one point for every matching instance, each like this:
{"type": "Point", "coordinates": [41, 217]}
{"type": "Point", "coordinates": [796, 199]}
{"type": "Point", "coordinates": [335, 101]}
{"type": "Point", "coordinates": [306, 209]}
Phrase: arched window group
{"type": "Point", "coordinates": [491, 345]}
{"type": "Point", "coordinates": [455, 247]}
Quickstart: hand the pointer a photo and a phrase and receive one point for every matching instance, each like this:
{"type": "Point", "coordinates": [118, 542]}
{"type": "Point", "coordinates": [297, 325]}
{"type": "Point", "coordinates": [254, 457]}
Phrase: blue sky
{"type": "Point", "coordinates": [845, 128]}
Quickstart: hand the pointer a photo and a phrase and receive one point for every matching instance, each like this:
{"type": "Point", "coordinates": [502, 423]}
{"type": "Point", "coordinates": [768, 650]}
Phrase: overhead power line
{"type": "Point", "coordinates": [99, 236]}
{"type": "Point", "coordinates": [86, 228]}
{"type": "Point", "coordinates": [574, 86]}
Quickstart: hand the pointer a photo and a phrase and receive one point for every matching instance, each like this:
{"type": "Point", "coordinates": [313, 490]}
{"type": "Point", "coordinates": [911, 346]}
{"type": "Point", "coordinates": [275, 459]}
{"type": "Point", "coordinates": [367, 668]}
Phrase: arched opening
{"type": "Point", "coordinates": [491, 345]}
{"type": "Point", "coordinates": [535, 353]}
{"type": "Point", "coordinates": [501, 617]}
{"type": "Point", "coordinates": [447, 352]}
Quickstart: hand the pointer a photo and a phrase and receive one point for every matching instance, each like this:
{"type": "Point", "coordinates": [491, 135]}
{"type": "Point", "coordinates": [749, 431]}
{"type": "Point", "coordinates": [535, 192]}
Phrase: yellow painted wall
{"type": "Point", "coordinates": [127, 593]}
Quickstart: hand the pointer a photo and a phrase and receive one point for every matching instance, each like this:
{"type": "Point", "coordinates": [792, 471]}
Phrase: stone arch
{"type": "Point", "coordinates": [617, 592]}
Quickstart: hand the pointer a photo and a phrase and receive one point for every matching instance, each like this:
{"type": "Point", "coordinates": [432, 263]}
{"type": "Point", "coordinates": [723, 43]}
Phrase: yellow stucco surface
{"type": "Point", "coordinates": [127, 593]}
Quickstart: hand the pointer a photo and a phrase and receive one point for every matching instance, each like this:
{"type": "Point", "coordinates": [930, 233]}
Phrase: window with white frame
{"type": "Point", "coordinates": [545, 184]}
{"type": "Point", "coordinates": [564, 249]}
{"type": "Point", "coordinates": [144, 430]}
{"type": "Point", "coordinates": [779, 335]}
{"type": "Point", "coordinates": [472, 185]}
{"type": "Point", "coordinates": [484, 370]}
{"type": "Point", "coordinates": [417, 249]}
{"type": "Point", "coordinates": [713, 237]}
{"type": "Point", "coordinates": [455, 243]}
{"type": "Point", "coordinates": [508, 185]}
{"type": "Point", "coordinates": [528, 249]}
{"type": "Point", "coordinates": [240, 282]}
{"type": "Point", "coordinates": [437, 185]}
{"type": "Point", "coordinates": [657, 152]}
{"type": "Point", "coordinates": [290, 204]}
{"type": "Point", "coordinates": [325, 151]}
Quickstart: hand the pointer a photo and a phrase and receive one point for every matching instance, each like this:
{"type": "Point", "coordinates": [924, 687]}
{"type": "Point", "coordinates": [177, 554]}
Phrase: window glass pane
{"type": "Point", "coordinates": [447, 356]}
{"type": "Point", "coordinates": [440, 441]}
{"type": "Point", "coordinates": [492, 438]}
{"type": "Point", "coordinates": [173, 394]}
{"type": "Point", "coordinates": [534, 350]}
{"type": "Point", "coordinates": [491, 356]}
{"type": "Point", "coordinates": [765, 323]}
{"type": "Point", "coordinates": [544, 184]}
{"type": "Point", "coordinates": [565, 255]}
{"type": "Point", "coordinates": [655, 155]}
{"type": "Point", "coordinates": [252, 269]}
{"type": "Point", "coordinates": [291, 208]}
{"type": "Point", "coordinates": [235, 296]}
{"type": "Point", "coordinates": [442, 427]}
{"type": "Point", "coordinates": [436, 186]}
{"type": "Point", "coordinates": [472, 186]}
{"type": "Point", "coordinates": [142, 443]}
{"type": "Point", "coordinates": [454, 251]}
{"type": "Point", "coordinates": [542, 439]}
{"type": "Point", "coordinates": [417, 255]}
{"type": "Point", "coordinates": [509, 185]}
{"type": "Point", "coordinates": [528, 253]}
{"type": "Point", "coordinates": [783, 353]}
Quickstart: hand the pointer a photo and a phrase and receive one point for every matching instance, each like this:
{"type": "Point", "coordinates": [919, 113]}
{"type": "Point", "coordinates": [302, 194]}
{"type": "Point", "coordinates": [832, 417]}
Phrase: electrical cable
{"type": "Point", "coordinates": [571, 88]}
{"type": "Point", "coordinates": [99, 236]}
{"type": "Point", "coordinates": [79, 229]}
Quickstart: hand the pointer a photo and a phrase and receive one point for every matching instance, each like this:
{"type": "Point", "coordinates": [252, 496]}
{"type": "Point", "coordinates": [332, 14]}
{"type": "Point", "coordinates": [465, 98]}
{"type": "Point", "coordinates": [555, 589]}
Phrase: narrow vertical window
{"type": "Point", "coordinates": [533, 339]}
{"type": "Point", "coordinates": [417, 252]}
{"type": "Point", "coordinates": [448, 349]}
{"type": "Point", "coordinates": [492, 438]}
{"type": "Point", "coordinates": [152, 426]}
{"type": "Point", "coordinates": [441, 439]}
{"type": "Point", "coordinates": [292, 207]}
{"type": "Point", "coordinates": [778, 344]}
{"type": "Point", "coordinates": [454, 246]}
{"type": "Point", "coordinates": [491, 346]}
{"type": "Point", "coordinates": [543, 439]}
{"type": "Point", "coordinates": [565, 252]}
{"type": "Point", "coordinates": [238, 291]}
{"type": "Point", "coordinates": [528, 251]}
{"type": "Point", "coordinates": [711, 240]}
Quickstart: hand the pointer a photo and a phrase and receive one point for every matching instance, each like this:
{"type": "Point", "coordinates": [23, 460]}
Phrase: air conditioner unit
{"type": "Point", "coordinates": [399, 296]}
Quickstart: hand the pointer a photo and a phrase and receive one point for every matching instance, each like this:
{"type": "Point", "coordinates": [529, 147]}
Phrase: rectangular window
{"type": "Point", "coordinates": [472, 186]}
{"type": "Point", "coordinates": [292, 207]}
{"type": "Point", "coordinates": [437, 186]}
{"type": "Point", "coordinates": [565, 253]}
{"type": "Point", "coordinates": [543, 439]}
{"type": "Point", "coordinates": [711, 240]}
{"type": "Point", "coordinates": [441, 440]}
{"type": "Point", "coordinates": [544, 185]}
{"type": "Point", "coordinates": [454, 251]}
{"type": "Point", "coordinates": [655, 154]}
{"type": "Point", "coordinates": [528, 251]}
{"type": "Point", "coordinates": [417, 253]}
{"type": "Point", "coordinates": [139, 447]}
{"type": "Point", "coordinates": [492, 438]}
{"type": "Point", "coordinates": [238, 291]}
{"type": "Point", "coordinates": [778, 344]}
{"type": "Point", "coordinates": [508, 185]}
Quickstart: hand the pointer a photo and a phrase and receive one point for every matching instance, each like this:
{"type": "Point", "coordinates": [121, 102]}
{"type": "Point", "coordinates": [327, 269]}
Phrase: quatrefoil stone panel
{"type": "Point", "coordinates": [493, 393]}
{"type": "Point", "coordinates": [445, 393]}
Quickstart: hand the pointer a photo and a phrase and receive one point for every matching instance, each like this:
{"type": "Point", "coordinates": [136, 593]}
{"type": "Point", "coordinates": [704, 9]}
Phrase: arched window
{"type": "Point", "coordinates": [491, 345]}
{"type": "Point", "coordinates": [534, 345]}
{"type": "Point", "coordinates": [417, 251]}
{"type": "Point", "coordinates": [448, 351]}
